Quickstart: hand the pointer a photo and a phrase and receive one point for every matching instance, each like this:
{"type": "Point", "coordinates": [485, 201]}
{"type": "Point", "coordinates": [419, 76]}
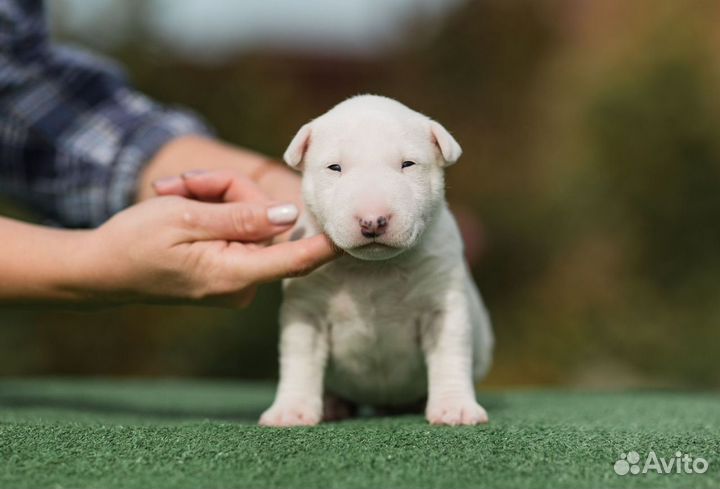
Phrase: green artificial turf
{"type": "Point", "coordinates": [66, 433]}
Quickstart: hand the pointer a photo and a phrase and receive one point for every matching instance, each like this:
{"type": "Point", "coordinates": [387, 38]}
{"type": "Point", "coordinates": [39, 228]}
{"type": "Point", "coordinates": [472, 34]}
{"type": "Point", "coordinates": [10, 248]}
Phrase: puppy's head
{"type": "Point", "coordinates": [372, 174]}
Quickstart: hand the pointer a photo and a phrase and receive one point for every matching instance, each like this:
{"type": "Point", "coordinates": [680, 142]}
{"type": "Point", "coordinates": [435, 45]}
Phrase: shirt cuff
{"type": "Point", "coordinates": [140, 147]}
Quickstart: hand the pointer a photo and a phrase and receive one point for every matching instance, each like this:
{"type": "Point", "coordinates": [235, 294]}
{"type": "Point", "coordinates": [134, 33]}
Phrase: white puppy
{"type": "Point", "coordinates": [397, 319]}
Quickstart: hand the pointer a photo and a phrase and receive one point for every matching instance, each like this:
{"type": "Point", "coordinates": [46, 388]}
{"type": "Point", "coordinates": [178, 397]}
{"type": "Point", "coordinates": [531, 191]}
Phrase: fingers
{"type": "Point", "coordinates": [212, 186]}
{"type": "Point", "coordinates": [171, 186]}
{"type": "Point", "coordinates": [236, 221]}
{"type": "Point", "coordinates": [285, 260]}
{"type": "Point", "coordinates": [229, 185]}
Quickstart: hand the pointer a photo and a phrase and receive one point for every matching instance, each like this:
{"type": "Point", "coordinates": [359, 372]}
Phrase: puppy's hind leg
{"type": "Point", "coordinates": [416, 407]}
{"type": "Point", "coordinates": [336, 408]}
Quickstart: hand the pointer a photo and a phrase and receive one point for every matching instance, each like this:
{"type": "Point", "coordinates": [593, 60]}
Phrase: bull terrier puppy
{"type": "Point", "coordinates": [398, 318]}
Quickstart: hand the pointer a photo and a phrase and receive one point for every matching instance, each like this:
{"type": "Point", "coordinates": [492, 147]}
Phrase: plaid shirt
{"type": "Point", "coordinates": [73, 135]}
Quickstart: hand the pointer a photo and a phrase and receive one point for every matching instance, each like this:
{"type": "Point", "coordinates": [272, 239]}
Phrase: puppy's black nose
{"type": "Point", "coordinates": [372, 227]}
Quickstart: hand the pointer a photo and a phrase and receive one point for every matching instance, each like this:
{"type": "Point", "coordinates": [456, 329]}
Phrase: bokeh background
{"type": "Point", "coordinates": [589, 186]}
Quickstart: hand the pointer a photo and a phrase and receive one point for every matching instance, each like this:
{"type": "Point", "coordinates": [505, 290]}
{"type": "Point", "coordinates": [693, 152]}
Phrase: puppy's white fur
{"type": "Point", "coordinates": [398, 318]}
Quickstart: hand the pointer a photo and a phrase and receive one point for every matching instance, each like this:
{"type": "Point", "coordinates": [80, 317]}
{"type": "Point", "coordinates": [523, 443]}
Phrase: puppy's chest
{"type": "Point", "coordinates": [378, 316]}
{"type": "Point", "coordinates": [374, 327]}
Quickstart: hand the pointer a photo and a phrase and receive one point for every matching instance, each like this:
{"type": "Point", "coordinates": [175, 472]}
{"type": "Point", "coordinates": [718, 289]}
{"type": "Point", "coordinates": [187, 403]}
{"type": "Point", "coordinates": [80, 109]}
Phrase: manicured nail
{"type": "Point", "coordinates": [193, 173]}
{"type": "Point", "coordinates": [282, 214]}
{"type": "Point", "coordinates": [162, 183]}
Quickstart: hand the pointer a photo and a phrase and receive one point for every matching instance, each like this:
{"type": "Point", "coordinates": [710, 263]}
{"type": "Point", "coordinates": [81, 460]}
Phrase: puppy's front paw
{"type": "Point", "coordinates": [292, 413]}
{"type": "Point", "coordinates": [456, 411]}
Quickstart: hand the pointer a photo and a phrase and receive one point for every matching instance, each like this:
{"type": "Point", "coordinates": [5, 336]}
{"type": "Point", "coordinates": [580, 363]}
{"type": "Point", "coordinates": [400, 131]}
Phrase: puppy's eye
{"type": "Point", "coordinates": [407, 164]}
{"type": "Point", "coordinates": [335, 167]}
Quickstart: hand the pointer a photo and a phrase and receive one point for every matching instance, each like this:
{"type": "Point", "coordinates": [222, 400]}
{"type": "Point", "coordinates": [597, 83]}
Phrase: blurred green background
{"type": "Point", "coordinates": [589, 185]}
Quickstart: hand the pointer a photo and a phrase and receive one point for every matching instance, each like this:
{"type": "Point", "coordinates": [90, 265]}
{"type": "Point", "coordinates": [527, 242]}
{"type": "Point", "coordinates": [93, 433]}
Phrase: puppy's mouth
{"type": "Point", "coordinates": [381, 247]}
{"type": "Point", "coordinates": [374, 245]}
{"type": "Point", "coordinates": [374, 251]}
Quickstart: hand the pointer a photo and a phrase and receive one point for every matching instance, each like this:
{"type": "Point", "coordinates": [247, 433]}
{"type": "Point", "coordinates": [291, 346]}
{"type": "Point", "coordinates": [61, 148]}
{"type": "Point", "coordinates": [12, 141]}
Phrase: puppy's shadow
{"type": "Point", "coordinates": [493, 403]}
{"type": "Point", "coordinates": [238, 413]}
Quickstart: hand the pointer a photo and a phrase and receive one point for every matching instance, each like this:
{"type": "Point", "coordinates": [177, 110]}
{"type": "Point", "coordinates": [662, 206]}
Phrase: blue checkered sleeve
{"type": "Point", "coordinates": [73, 135]}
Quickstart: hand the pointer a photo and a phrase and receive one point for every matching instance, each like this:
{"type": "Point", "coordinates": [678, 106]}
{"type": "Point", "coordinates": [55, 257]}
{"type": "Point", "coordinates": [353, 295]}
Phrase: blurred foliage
{"type": "Point", "coordinates": [592, 159]}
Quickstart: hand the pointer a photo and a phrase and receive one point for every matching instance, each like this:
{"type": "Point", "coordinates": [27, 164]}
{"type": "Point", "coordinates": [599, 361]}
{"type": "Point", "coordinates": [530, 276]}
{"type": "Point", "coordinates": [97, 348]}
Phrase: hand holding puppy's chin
{"type": "Point", "coordinates": [175, 250]}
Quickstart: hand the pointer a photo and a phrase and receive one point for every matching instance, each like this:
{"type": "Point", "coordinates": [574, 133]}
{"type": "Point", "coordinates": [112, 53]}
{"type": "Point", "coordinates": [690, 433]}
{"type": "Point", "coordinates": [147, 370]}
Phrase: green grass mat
{"type": "Point", "coordinates": [146, 434]}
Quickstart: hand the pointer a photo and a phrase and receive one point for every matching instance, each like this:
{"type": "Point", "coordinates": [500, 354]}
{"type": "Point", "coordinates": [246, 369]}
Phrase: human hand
{"type": "Point", "coordinates": [172, 249]}
{"type": "Point", "coordinates": [254, 177]}
{"type": "Point", "coordinates": [226, 185]}
{"type": "Point", "coordinates": [229, 185]}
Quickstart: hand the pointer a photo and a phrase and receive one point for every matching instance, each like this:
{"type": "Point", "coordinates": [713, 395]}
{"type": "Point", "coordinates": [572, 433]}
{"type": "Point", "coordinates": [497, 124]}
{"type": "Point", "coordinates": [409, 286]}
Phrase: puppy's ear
{"type": "Point", "coordinates": [296, 151]}
{"type": "Point", "coordinates": [449, 148]}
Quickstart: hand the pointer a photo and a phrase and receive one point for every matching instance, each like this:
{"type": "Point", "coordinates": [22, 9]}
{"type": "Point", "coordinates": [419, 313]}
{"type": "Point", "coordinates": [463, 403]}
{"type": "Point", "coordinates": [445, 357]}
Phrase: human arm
{"type": "Point", "coordinates": [165, 250]}
{"type": "Point", "coordinates": [74, 140]}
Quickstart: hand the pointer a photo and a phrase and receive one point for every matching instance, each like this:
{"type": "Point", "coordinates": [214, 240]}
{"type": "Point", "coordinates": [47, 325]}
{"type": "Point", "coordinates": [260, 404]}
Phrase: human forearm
{"type": "Point", "coordinates": [39, 264]}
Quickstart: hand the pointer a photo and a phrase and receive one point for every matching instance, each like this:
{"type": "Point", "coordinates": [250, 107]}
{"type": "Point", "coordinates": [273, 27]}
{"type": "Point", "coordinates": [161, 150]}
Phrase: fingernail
{"type": "Point", "coordinates": [193, 173]}
{"type": "Point", "coordinates": [165, 182]}
{"type": "Point", "coordinates": [282, 214]}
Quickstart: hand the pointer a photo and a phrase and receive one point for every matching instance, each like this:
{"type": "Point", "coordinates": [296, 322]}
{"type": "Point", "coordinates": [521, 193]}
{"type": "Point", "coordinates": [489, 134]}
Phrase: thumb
{"type": "Point", "coordinates": [237, 221]}
{"type": "Point", "coordinates": [290, 259]}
